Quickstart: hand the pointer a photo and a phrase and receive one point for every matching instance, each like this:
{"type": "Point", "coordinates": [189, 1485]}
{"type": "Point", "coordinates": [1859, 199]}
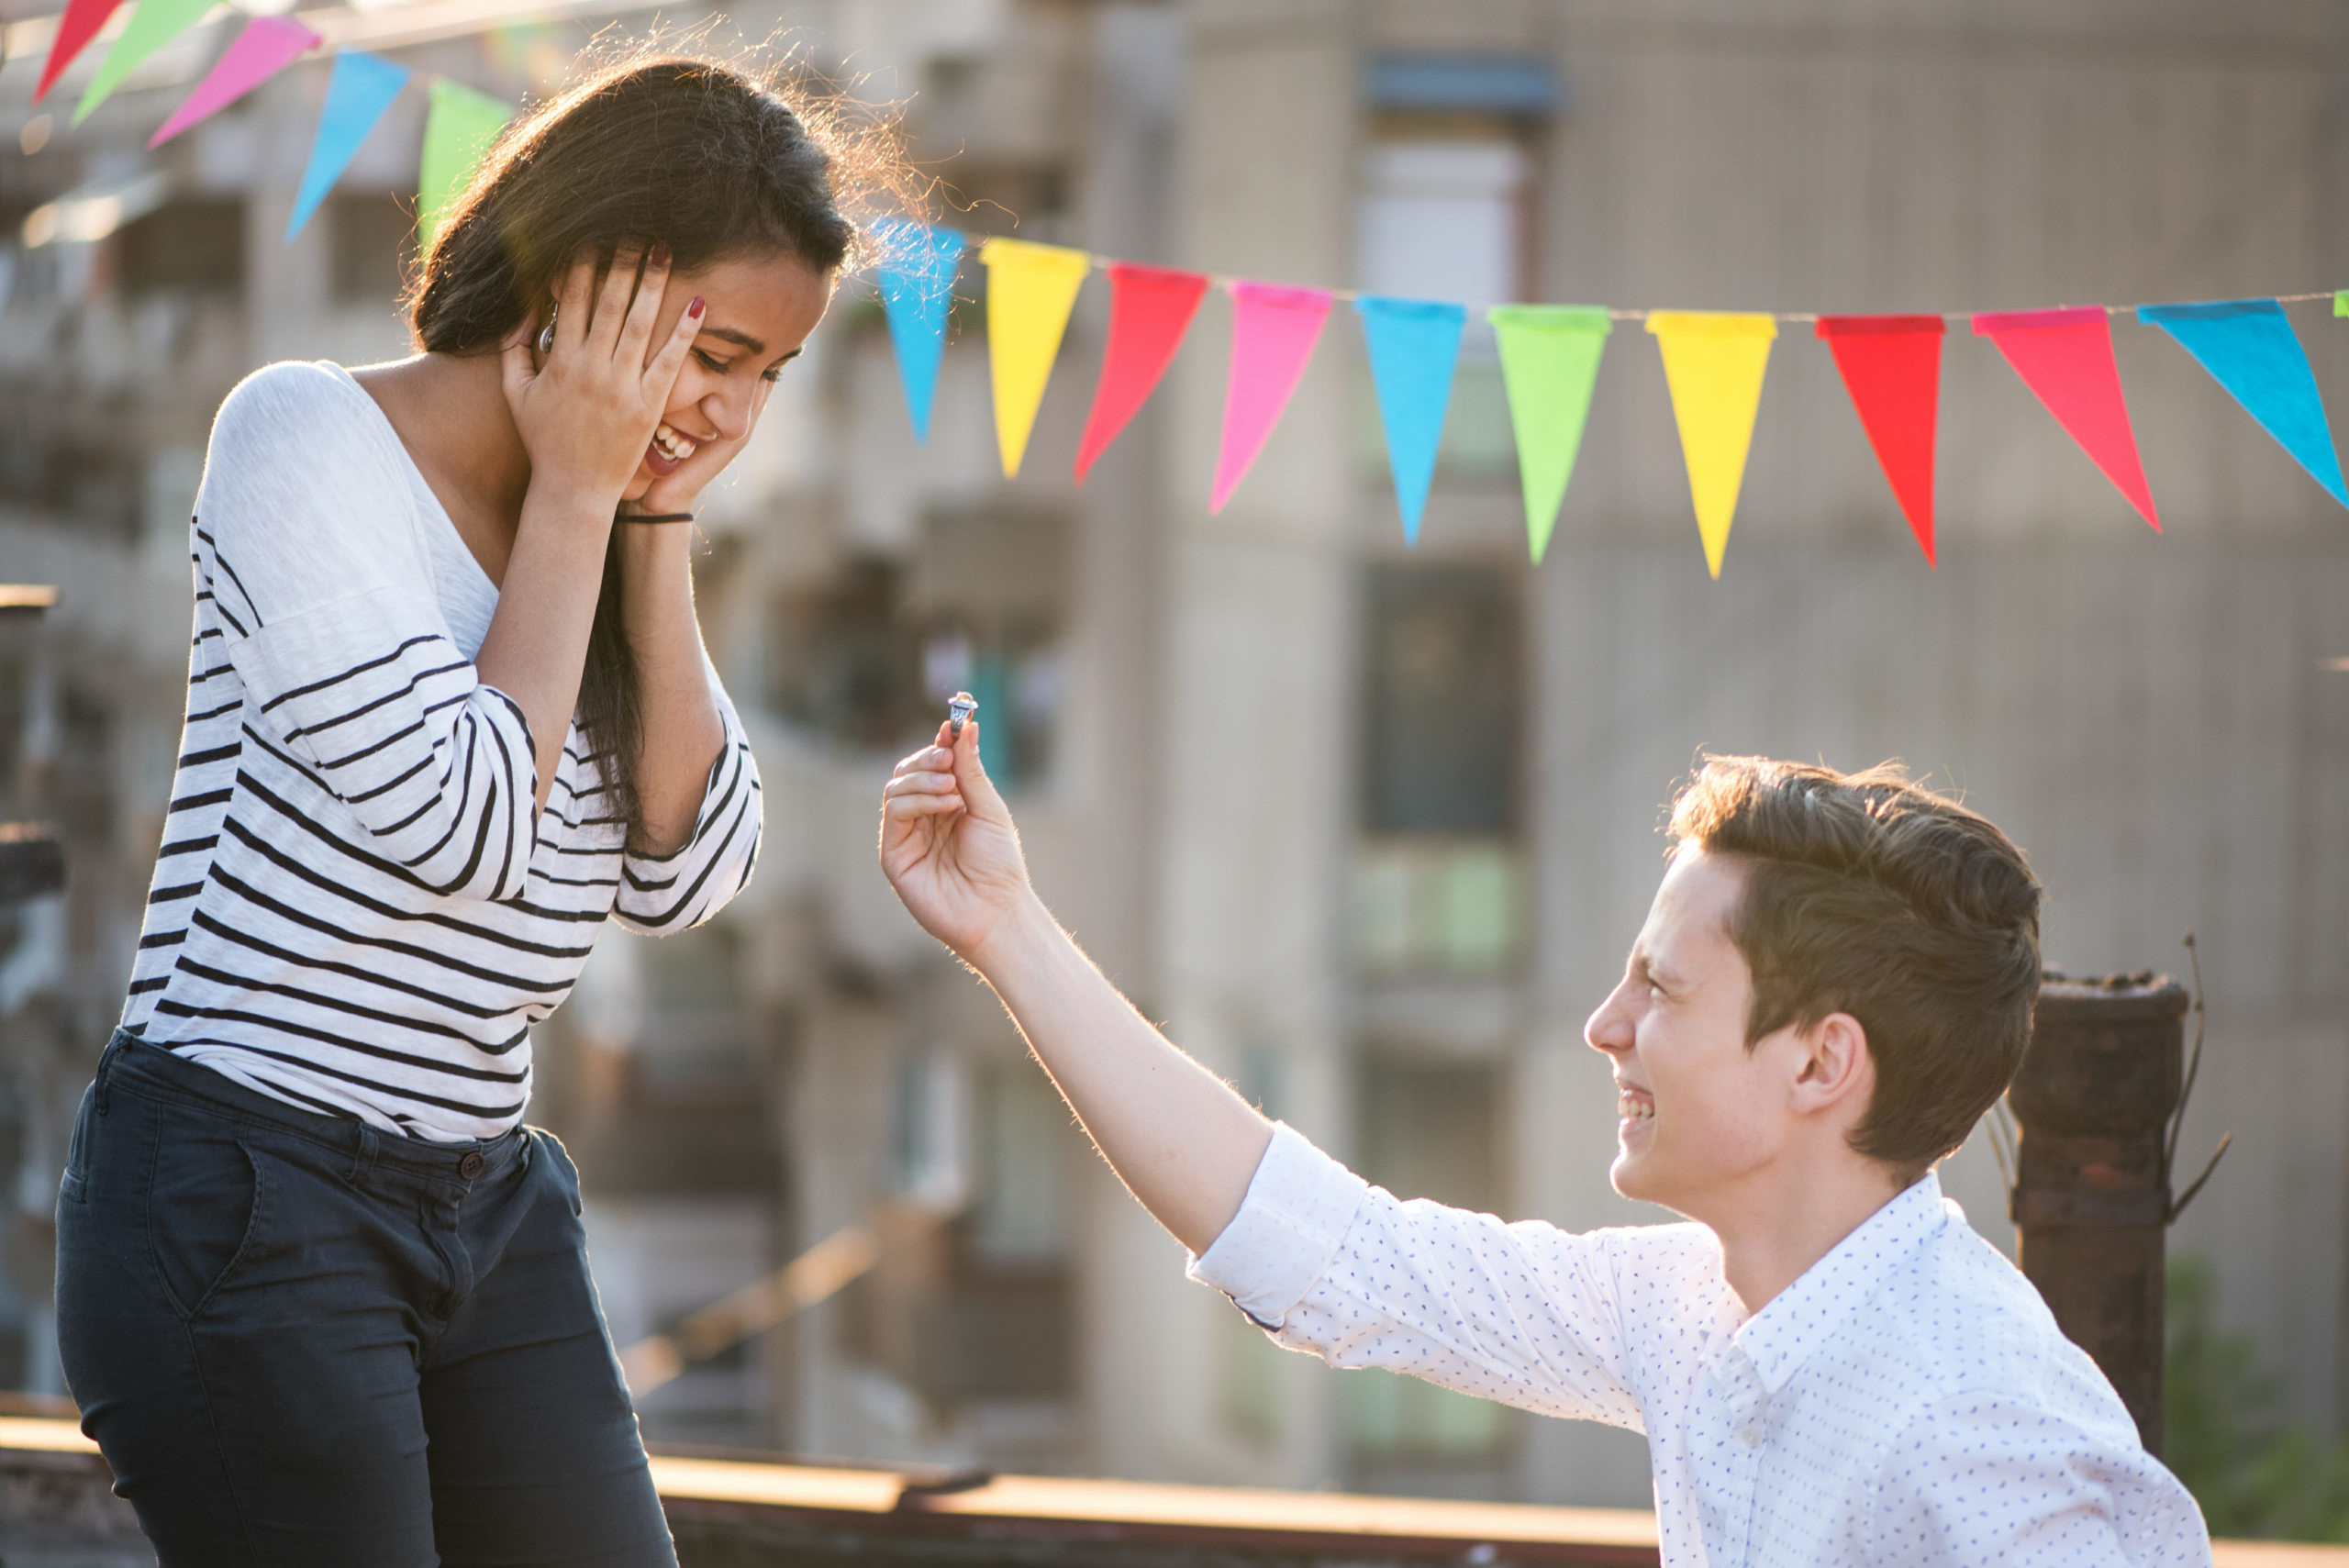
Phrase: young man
{"type": "Point", "coordinates": [1834, 983]}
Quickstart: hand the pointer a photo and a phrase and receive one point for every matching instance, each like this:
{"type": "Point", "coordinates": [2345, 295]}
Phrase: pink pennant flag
{"type": "Point", "coordinates": [267, 46]}
{"type": "Point", "coordinates": [1273, 334]}
{"type": "Point", "coordinates": [2065, 357]}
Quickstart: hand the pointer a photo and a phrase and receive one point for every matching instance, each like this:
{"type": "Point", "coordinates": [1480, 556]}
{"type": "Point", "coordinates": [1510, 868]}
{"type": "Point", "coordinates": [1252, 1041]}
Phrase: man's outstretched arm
{"type": "Point", "coordinates": [1185, 1145]}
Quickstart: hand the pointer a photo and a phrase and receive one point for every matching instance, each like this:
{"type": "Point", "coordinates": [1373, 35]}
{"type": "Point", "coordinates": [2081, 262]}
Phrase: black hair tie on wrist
{"type": "Point", "coordinates": [656, 517]}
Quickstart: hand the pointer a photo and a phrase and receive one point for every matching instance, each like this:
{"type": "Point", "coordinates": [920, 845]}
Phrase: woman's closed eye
{"type": "Point", "coordinates": [717, 366]}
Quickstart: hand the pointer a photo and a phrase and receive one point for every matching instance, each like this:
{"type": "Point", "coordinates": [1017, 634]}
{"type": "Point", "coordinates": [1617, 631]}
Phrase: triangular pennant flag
{"type": "Point", "coordinates": [1273, 334]}
{"type": "Point", "coordinates": [267, 46]}
{"type": "Point", "coordinates": [1150, 310]}
{"type": "Point", "coordinates": [75, 28]}
{"type": "Point", "coordinates": [1714, 362]}
{"type": "Point", "coordinates": [2250, 349]}
{"type": "Point", "coordinates": [2065, 358]}
{"type": "Point", "coordinates": [458, 133]}
{"type": "Point", "coordinates": [154, 24]}
{"type": "Point", "coordinates": [1549, 363]}
{"type": "Point", "coordinates": [1414, 348]}
{"type": "Point", "coordinates": [362, 87]}
{"type": "Point", "coordinates": [1892, 368]}
{"type": "Point", "coordinates": [1030, 290]}
{"type": "Point", "coordinates": [916, 279]}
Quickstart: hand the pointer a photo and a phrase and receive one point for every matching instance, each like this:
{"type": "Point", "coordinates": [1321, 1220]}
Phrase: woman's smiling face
{"type": "Point", "coordinates": [758, 311]}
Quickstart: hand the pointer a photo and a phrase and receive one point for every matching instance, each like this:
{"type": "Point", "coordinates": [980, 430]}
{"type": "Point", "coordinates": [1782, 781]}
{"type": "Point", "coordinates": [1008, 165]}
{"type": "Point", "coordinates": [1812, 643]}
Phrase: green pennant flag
{"type": "Point", "coordinates": [458, 131]}
{"type": "Point", "coordinates": [154, 24]}
{"type": "Point", "coordinates": [1549, 362]}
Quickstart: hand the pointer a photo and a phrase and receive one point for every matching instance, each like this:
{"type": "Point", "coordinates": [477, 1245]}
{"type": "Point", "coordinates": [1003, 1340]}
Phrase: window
{"type": "Point", "coordinates": [1439, 726]}
{"type": "Point", "coordinates": [842, 660]}
{"type": "Point", "coordinates": [1449, 182]}
{"type": "Point", "coordinates": [190, 245]}
{"type": "Point", "coordinates": [374, 244]}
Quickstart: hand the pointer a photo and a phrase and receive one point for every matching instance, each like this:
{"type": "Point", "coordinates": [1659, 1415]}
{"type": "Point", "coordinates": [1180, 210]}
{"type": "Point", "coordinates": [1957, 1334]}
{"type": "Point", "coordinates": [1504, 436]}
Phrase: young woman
{"type": "Point", "coordinates": [321, 1298]}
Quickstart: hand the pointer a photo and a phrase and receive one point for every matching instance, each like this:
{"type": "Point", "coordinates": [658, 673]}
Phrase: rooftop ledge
{"type": "Point", "coordinates": [742, 1511]}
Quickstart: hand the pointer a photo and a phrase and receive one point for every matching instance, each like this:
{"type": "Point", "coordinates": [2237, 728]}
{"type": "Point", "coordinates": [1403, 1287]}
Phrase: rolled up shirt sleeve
{"type": "Point", "coordinates": [1525, 1314]}
{"type": "Point", "coordinates": [661, 894]}
{"type": "Point", "coordinates": [306, 543]}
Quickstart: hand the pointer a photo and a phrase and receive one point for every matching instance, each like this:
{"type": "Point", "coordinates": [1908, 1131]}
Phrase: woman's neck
{"type": "Point", "coordinates": [450, 412]}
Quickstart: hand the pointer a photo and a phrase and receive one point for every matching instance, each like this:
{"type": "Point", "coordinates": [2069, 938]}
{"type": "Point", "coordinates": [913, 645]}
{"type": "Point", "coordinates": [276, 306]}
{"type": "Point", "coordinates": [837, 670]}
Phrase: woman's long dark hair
{"type": "Point", "coordinates": [697, 153]}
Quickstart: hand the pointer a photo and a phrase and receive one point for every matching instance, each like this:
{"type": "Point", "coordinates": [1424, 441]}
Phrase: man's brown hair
{"type": "Point", "coordinates": [1868, 894]}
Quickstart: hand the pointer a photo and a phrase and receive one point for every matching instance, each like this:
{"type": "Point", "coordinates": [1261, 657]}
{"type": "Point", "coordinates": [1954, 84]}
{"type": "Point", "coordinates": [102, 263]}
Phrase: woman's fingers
{"type": "Point", "coordinates": [662, 371]}
{"type": "Point", "coordinates": [635, 331]}
{"type": "Point", "coordinates": [611, 306]}
{"type": "Point", "coordinates": [515, 370]}
{"type": "Point", "coordinates": [578, 289]}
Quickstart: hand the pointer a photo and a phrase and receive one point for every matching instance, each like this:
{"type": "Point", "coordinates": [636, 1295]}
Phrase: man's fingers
{"type": "Point", "coordinates": [912, 807]}
{"type": "Point", "coordinates": [925, 782]}
{"type": "Point", "coordinates": [929, 758]}
{"type": "Point", "coordinates": [973, 778]}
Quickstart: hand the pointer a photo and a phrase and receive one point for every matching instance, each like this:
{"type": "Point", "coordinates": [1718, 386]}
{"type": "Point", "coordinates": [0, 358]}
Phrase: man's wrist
{"type": "Point", "coordinates": [1022, 938]}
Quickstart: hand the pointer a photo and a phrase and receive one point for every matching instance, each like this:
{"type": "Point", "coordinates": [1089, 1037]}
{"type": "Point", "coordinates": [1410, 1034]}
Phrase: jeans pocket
{"type": "Point", "coordinates": [566, 1175]}
{"type": "Point", "coordinates": [206, 1201]}
{"type": "Point", "coordinates": [74, 1186]}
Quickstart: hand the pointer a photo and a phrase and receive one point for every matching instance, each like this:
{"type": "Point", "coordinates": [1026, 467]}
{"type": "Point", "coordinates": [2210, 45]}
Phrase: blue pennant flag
{"type": "Point", "coordinates": [917, 281]}
{"type": "Point", "coordinates": [1414, 347]}
{"type": "Point", "coordinates": [2250, 348]}
{"type": "Point", "coordinates": [360, 89]}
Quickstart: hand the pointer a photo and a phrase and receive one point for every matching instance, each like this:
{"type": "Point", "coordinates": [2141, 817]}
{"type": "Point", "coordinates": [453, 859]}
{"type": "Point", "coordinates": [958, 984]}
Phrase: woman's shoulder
{"type": "Point", "coordinates": [312, 405]}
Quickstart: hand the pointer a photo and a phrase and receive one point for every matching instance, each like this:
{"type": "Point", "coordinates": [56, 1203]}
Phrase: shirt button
{"type": "Point", "coordinates": [470, 1165]}
{"type": "Point", "coordinates": [1750, 1436]}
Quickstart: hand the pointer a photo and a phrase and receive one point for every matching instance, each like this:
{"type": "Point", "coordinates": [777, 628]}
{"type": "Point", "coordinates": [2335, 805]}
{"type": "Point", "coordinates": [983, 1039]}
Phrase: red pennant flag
{"type": "Point", "coordinates": [2066, 356]}
{"type": "Point", "coordinates": [1149, 309]}
{"type": "Point", "coordinates": [75, 28]}
{"type": "Point", "coordinates": [1892, 367]}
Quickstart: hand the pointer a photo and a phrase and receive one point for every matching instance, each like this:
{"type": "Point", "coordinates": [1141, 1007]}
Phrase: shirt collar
{"type": "Point", "coordinates": [1800, 1318]}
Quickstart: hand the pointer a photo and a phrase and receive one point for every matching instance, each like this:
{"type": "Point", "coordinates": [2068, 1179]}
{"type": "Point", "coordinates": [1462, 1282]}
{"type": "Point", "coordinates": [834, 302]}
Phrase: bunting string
{"type": "Point", "coordinates": [1714, 362]}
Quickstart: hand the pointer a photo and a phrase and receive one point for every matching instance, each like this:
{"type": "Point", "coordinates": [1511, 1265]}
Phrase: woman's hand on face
{"type": "Point", "coordinates": [947, 842]}
{"type": "Point", "coordinates": [681, 491]}
{"type": "Point", "coordinates": [586, 416]}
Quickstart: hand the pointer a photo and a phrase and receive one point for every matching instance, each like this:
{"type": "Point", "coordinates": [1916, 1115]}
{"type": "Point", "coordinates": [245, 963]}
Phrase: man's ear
{"type": "Point", "coordinates": [1836, 1069]}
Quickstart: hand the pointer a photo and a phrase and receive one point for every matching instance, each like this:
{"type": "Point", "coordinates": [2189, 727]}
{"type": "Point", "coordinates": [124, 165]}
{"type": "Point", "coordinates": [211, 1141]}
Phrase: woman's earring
{"type": "Point", "coordinates": [546, 334]}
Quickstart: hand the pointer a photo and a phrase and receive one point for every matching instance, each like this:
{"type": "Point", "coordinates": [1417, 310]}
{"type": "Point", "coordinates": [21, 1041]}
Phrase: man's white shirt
{"type": "Point", "coordinates": [1908, 1400]}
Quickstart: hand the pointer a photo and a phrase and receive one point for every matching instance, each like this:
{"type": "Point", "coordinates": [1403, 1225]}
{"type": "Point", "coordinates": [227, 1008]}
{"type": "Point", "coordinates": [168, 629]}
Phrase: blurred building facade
{"type": "Point", "coordinates": [1369, 827]}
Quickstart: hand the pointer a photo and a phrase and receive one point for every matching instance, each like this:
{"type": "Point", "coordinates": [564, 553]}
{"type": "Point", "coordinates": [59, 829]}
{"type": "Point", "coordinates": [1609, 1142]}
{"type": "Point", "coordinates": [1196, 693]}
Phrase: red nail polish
{"type": "Point", "coordinates": [693, 310]}
{"type": "Point", "coordinates": [661, 255]}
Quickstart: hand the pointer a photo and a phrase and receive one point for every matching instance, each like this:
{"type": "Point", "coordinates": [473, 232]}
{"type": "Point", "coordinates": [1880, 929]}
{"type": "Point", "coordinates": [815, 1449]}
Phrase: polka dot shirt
{"type": "Point", "coordinates": [1907, 1401]}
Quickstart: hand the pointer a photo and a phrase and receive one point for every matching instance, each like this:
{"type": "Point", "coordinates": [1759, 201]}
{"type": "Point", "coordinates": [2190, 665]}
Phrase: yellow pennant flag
{"type": "Point", "coordinates": [1030, 290]}
{"type": "Point", "coordinates": [1714, 362]}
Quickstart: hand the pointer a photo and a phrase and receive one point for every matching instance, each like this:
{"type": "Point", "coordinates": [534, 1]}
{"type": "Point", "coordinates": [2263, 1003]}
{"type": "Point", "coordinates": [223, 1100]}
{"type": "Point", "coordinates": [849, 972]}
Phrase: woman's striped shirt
{"type": "Point", "coordinates": [355, 908]}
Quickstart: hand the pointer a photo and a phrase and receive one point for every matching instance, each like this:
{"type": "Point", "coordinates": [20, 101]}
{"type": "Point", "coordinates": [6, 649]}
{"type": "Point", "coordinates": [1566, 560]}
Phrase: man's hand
{"type": "Point", "coordinates": [948, 845]}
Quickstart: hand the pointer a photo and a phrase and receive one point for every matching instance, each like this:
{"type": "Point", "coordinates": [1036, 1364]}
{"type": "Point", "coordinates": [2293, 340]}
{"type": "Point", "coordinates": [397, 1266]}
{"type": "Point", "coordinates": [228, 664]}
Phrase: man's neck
{"type": "Point", "coordinates": [1773, 1227]}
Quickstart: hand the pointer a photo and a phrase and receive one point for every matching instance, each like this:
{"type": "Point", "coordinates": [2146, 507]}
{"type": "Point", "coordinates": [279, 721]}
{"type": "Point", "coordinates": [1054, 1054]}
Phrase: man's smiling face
{"type": "Point", "coordinates": [1697, 1110]}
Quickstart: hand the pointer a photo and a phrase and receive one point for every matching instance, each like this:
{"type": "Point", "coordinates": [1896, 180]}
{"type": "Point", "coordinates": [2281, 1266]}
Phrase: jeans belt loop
{"type": "Point", "coordinates": [362, 1164]}
{"type": "Point", "coordinates": [106, 1064]}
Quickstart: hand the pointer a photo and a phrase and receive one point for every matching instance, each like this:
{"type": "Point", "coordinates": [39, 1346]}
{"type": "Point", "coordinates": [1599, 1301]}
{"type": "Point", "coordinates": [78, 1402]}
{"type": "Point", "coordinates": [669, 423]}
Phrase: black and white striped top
{"type": "Point", "coordinates": [355, 908]}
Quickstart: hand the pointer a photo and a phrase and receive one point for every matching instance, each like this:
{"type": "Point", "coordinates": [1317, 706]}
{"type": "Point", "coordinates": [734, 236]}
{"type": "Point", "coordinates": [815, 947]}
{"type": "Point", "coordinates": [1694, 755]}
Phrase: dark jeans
{"type": "Point", "coordinates": [299, 1340]}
